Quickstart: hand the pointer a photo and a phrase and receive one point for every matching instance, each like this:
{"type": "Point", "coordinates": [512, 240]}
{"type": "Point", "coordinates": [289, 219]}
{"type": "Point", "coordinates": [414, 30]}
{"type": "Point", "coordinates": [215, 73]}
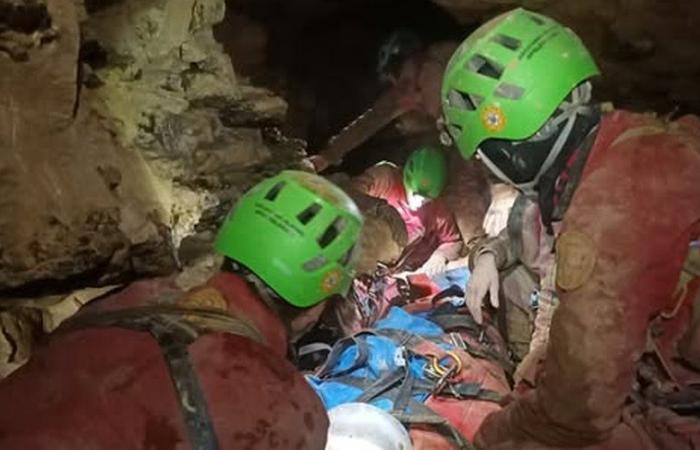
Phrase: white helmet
{"type": "Point", "coordinates": [359, 426]}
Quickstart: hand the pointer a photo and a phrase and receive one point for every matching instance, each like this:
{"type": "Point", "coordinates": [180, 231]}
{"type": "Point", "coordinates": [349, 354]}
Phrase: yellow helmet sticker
{"type": "Point", "coordinates": [331, 280]}
{"type": "Point", "coordinates": [493, 119]}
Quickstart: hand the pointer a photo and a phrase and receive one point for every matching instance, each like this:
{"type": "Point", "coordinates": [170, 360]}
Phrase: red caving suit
{"type": "Point", "coordinates": [619, 254]}
{"type": "Point", "coordinates": [109, 388]}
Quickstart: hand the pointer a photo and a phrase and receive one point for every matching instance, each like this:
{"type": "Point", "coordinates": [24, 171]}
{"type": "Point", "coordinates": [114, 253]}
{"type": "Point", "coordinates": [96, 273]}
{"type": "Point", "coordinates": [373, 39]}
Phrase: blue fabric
{"type": "Point", "coordinates": [382, 359]}
{"type": "Point", "coordinates": [455, 277]}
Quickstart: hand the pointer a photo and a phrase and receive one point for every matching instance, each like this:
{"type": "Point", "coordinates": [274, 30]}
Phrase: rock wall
{"type": "Point", "coordinates": [122, 128]}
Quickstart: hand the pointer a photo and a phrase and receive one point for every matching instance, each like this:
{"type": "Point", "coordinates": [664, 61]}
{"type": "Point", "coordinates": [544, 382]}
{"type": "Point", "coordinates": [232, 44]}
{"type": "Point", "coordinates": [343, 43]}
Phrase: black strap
{"type": "Point", "coordinates": [406, 338]}
{"type": "Point", "coordinates": [360, 360]}
{"type": "Point", "coordinates": [490, 354]}
{"type": "Point", "coordinates": [398, 385]}
{"type": "Point", "coordinates": [514, 227]}
{"type": "Point", "coordinates": [175, 328]}
{"type": "Point", "coordinates": [452, 291]}
{"type": "Point", "coordinates": [190, 321]}
{"type": "Point", "coordinates": [193, 404]}
{"type": "Point", "coordinates": [405, 391]}
{"type": "Point", "coordinates": [388, 388]}
{"type": "Point", "coordinates": [382, 385]}
{"type": "Point", "coordinates": [452, 321]}
{"type": "Point", "coordinates": [420, 414]}
{"type": "Point", "coordinates": [473, 391]}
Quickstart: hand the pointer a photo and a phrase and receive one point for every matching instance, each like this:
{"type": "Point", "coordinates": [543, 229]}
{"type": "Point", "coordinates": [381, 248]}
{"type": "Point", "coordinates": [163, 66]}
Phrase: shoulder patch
{"type": "Point", "coordinates": [575, 259]}
{"type": "Point", "coordinates": [204, 298]}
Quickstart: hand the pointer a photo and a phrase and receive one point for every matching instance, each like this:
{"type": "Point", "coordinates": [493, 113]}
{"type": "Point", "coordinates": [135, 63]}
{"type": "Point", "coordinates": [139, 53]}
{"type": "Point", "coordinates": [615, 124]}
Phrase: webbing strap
{"type": "Point", "coordinates": [453, 321]}
{"type": "Point", "coordinates": [314, 347]}
{"type": "Point", "coordinates": [190, 321]}
{"type": "Point", "coordinates": [190, 397]}
{"type": "Point", "coordinates": [175, 328]}
{"type": "Point", "coordinates": [398, 385]}
{"type": "Point", "coordinates": [360, 360]}
{"type": "Point", "coordinates": [411, 340]}
{"type": "Point", "coordinates": [382, 385]}
{"type": "Point", "coordinates": [405, 391]}
{"type": "Point", "coordinates": [420, 414]}
{"type": "Point", "coordinates": [387, 387]}
{"type": "Point", "coordinates": [514, 226]}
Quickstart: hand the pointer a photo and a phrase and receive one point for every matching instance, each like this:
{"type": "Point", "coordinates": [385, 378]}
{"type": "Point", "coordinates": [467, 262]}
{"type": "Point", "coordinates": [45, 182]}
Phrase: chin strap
{"type": "Point", "coordinates": [569, 110]}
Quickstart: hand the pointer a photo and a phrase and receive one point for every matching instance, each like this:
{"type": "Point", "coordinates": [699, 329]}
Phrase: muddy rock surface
{"type": "Point", "coordinates": [123, 130]}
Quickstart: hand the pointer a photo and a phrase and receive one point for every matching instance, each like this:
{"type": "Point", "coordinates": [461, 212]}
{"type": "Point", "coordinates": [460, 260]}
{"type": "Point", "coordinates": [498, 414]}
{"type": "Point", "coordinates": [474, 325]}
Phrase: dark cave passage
{"type": "Point", "coordinates": [322, 57]}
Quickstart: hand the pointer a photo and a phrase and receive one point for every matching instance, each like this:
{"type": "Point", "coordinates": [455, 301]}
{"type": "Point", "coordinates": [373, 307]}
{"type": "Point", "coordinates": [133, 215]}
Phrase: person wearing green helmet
{"type": "Point", "coordinates": [208, 368]}
{"type": "Point", "coordinates": [297, 233]}
{"type": "Point", "coordinates": [414, 191]}
{"type": "Point", "coordinates": [613, 200]}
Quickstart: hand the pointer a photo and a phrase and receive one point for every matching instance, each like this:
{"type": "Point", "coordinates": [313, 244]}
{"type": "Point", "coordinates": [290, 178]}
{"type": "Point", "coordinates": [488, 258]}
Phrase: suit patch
{"type": "Point", "coordinates": [575, 259]}
{"type": "Point", "coordinates": [204, 298]}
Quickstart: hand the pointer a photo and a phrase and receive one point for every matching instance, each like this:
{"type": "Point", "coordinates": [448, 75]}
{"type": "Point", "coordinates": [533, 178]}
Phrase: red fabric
{"type": "Point", "coordinates": [109, 388]}
{"type": "Point", "coordinates": [639, 203]}
{"type": "Point", "coordinates": [465, 415]}
{"type": "Point", "coordinates": [385, 181]}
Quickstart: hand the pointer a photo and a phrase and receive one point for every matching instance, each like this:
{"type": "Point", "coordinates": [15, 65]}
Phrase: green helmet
{"type": "Point", "coordinates": [509, 77]}
{"type": "Point", "coordinates": [297, 232]}
{"type": "Point", "coordinates": [425, 172]}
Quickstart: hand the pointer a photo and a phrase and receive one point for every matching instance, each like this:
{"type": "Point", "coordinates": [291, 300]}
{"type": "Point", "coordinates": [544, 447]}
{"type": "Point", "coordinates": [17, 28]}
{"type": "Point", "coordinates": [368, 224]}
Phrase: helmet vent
{"type": "Point", "coordinates": [315, 263]}
{"type": "Point", "coordinates": [309, 213]}
{"type": "Point", "coordinates": [462, 100]}
{"type": "Point", "coordinates": [411, 165]}
{"type": "Point", "coordinates": [536, 19]}
{"type": "Point", "coordinates": [484, 66]}
{"type": "Point", "coordinates": [345, 259]}
{"type": "Point", "coordinates": [332, 232]}
{"type": "Point", "coordinates": [274, 191]}
{"type": "Point", "coordinates": [508, 42]}
{"type": "Point", "coordinates": [509, 91]}
{"type": "Point", "coordinates": [455, 131]}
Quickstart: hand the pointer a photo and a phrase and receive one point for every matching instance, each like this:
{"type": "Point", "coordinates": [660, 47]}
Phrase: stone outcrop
{"type": "Point", "coordinates": [123, 130]}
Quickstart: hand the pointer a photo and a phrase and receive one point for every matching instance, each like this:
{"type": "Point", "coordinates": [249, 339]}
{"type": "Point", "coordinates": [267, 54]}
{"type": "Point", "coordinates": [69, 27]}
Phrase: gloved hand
{"type": "Point", "coordinates": [502, 199]}
{"type": "Point", "coordinates": [496, 219]}
{"type": "Point", "coordinates": [319, 162]}
{"type": "Point", "coordinates": [529, 367]}
{"type": "Point", "coordinates": [496, 431]}
{"type": "Point", "coordinates": [314, 164]}
{"type": "Point", "coordinates": [436, 264]}
{"type": "Point", "coordinates": [484, 280]}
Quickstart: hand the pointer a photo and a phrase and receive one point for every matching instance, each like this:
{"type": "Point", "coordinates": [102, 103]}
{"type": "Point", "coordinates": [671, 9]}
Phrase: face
{"type": "Point", "coordinates": [415, 201]}
{"type": "Point", "coordinates": [304, 322]}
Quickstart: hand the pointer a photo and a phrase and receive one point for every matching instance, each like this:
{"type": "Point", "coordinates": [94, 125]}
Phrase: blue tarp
{"type": "Point", "coordinates": [384, 355]}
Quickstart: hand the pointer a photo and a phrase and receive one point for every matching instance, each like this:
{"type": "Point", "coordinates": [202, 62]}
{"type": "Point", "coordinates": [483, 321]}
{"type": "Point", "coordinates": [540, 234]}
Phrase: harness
{"type": "Point", "coordinates": [400, 385]}
{"type": "Point", "coordinates": [175, 328]}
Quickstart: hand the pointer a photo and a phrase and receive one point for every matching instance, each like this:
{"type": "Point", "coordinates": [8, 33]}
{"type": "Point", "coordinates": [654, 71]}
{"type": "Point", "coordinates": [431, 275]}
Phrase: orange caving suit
{"type": "Point", "coordinates": [619, 253]}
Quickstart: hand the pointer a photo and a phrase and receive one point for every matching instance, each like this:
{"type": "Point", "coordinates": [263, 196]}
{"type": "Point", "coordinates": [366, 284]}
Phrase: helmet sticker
{"type": "Point", "coordinates": [331, 280]}
{"type": "Point", "coordinates": [493, 119]}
